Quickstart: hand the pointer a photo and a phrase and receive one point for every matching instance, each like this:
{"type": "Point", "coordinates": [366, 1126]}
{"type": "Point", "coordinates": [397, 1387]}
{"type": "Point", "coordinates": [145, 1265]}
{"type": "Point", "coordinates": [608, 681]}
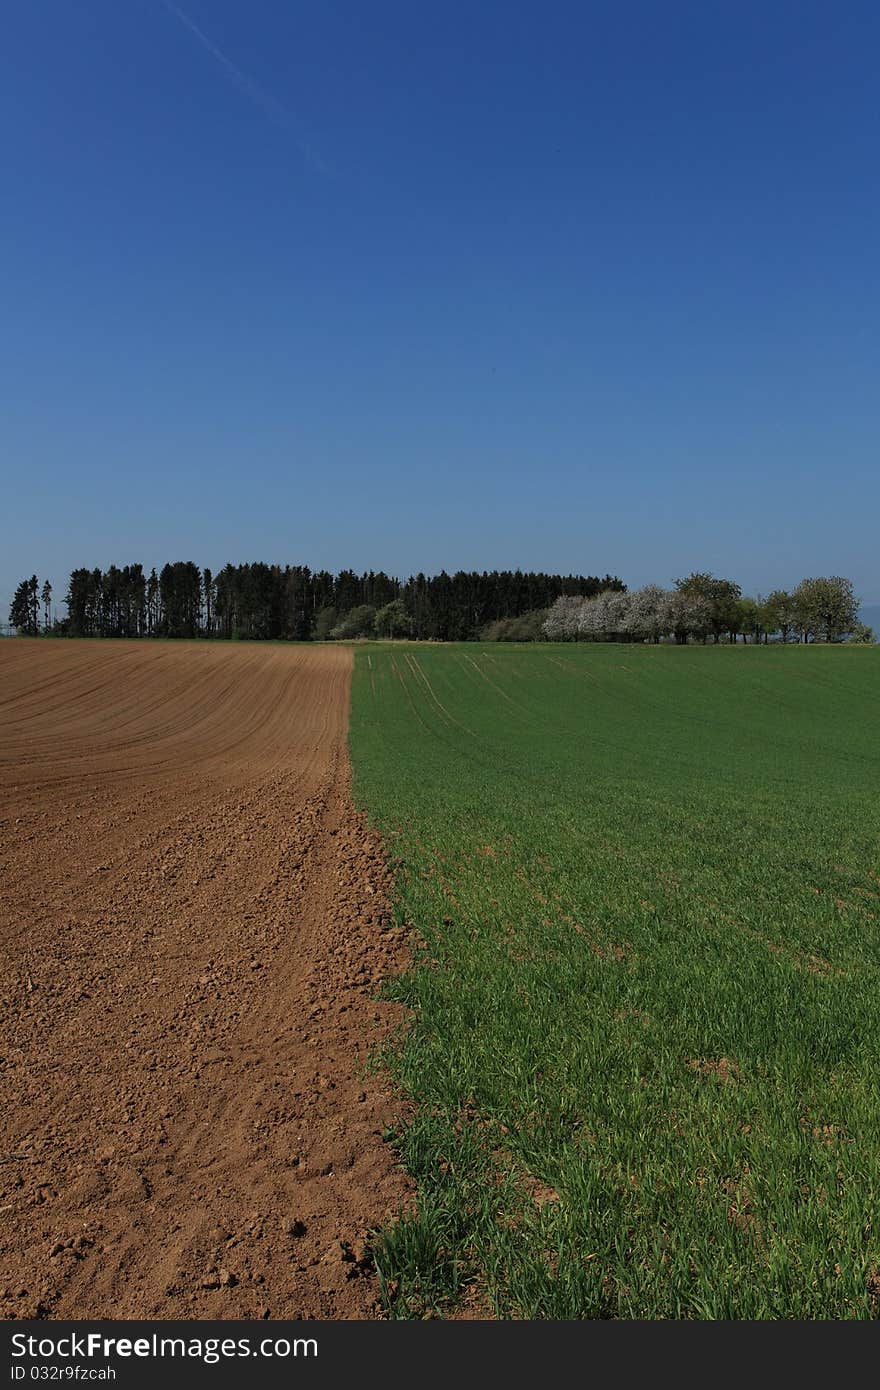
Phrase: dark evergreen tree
{"type": "Point", "coordinates": [208, 592]}
{"type": "Point", "coordinates": [46, 596]}
{"type": "Point", "coordinates": [180, 596]}
{"type": "Point", "coordinates": [153, 608]}
{"type": "Point", "coordinates": [23, 614]}
{"type": "Point", "coordinates": [77, 601]}
{"type": "Point", "coordinates": [96, 603]}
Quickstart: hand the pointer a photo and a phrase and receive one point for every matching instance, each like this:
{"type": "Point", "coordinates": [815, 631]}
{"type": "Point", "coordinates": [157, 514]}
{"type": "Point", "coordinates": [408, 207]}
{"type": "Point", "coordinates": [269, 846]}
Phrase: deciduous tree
{"type": "Point", "coordinates": [722, 597]}
{"type": "Point", "coordinates": [825, 608]}
{"type": "Point", "coordinates": [392, 620]}
{"type": "Point", "coordinates": [778, 613]}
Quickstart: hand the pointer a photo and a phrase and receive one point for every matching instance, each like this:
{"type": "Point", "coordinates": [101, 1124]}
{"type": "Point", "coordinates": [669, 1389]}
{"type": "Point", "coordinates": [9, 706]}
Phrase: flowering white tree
{"type": "Point", "coordinates": [589, 619]}
{"type": "Point", "coordinates": [561, 623]}
{"type": "Point", "coordinates": [825, 608]}
{"type": "Point", "coordinates": [689, 615]}
{"type": "Point", "coordinates": [604, 616]}
{"type": "Point", "coordinates": [648, 613]}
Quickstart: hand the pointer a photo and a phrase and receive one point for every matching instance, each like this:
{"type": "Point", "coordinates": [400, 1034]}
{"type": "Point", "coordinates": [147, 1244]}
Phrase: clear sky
{"type": "Point", "coordinates": [566, 286]}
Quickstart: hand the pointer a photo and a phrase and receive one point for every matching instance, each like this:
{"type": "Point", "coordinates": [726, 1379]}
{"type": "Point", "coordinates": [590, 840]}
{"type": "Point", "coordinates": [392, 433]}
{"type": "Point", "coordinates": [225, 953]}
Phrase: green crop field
{"type": "Point", "coordinates": [644, 1048]}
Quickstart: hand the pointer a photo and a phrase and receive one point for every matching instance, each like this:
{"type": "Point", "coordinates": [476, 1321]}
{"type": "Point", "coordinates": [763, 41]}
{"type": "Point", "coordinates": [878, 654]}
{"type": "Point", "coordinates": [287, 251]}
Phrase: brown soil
{"type": "Point", "coordinates": [193, 925]}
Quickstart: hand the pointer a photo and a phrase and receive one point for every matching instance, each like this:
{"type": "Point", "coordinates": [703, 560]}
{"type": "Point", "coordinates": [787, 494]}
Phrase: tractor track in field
{"type": "Point", "coordinates": [194, 923]}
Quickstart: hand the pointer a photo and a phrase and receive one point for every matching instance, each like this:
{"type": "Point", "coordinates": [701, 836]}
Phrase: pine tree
{"type": "Point", "coordinates": [46, 596]}
{"type": "Point", "coordinates": [20, 610]}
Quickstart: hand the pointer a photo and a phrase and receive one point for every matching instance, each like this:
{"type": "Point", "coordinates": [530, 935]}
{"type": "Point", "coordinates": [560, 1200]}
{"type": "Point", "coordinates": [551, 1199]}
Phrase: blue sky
{"type": "Point", "coordinates": [569, 286]}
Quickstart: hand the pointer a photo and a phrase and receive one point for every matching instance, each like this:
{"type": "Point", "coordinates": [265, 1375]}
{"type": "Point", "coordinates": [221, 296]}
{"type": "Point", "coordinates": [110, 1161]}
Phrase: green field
{"type": "Point", "coordinates": [645, 1041]}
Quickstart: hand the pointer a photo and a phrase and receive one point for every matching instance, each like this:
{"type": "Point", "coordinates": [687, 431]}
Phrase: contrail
{"type": "Point", "coordinates": [263, 99]}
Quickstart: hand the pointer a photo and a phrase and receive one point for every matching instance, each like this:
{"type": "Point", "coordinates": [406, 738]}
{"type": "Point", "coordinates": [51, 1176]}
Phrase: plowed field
{"type": "Point", "coordinates": [193, 924]}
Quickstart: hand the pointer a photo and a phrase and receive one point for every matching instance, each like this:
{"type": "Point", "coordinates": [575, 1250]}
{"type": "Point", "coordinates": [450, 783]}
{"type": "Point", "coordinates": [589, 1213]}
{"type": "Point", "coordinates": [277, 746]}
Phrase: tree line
{"type": "Point", "coordinates": [292, 602]}
{"type": "Point", "coordinates": [701, 607]}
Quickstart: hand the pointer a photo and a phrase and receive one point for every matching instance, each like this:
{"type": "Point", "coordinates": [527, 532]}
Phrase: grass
{"type": "Point", "coordinates": [645, 1026]}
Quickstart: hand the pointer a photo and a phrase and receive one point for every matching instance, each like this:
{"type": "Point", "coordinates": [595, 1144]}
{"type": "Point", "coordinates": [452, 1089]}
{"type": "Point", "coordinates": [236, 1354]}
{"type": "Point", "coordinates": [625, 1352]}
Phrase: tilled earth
{"type": "Point", "coordinates": [193, 926]}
